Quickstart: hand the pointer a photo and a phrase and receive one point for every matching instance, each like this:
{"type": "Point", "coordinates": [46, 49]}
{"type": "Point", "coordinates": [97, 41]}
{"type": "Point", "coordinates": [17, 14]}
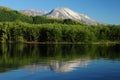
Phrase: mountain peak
{"type": "Point", "coordinates": [67, 10]}
{"type": "Point", "coordinates": [61, 8]}
{"type": "Point", "coordinates": [63, 13]}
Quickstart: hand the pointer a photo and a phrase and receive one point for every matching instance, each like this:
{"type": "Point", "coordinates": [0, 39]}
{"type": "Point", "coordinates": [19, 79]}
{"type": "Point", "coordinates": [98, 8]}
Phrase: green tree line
{"type": "Point", "coordinates": [25, 32]}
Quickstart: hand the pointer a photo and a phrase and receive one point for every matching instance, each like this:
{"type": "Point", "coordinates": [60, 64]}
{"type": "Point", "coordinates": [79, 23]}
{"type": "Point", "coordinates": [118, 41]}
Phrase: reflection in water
{"type": "Point", "coordinates": [66, 57]}
{"type": "Point", "coordinates": [58, 66]}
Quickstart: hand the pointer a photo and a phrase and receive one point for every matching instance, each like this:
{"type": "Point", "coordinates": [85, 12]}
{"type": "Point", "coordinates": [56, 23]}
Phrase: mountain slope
{"type": "Point", "coordinates": [33, 12]}
{"type": "Point", "coordinates": [64, 13]}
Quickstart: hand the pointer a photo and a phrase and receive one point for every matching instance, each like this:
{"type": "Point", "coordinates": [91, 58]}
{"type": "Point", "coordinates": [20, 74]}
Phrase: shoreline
{"type": "Point", "coordinates": [71, 42]}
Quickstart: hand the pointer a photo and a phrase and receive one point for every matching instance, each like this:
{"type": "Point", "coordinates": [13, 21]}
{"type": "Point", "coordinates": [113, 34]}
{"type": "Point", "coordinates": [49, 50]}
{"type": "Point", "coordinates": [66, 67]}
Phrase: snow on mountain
{"type": "Point", "coordinates": [33, 12]}
{"type": "Point", "coordinates": [64, 13]}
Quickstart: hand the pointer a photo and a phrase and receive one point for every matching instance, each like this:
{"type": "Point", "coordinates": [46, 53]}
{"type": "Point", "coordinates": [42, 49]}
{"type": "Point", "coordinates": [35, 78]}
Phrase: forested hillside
{"type": "Point", "coordinates": [7, 14]}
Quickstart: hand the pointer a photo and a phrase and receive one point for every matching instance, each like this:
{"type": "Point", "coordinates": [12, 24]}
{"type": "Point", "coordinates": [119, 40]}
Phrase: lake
{"type": "Point", "coordinates": [59, 62]}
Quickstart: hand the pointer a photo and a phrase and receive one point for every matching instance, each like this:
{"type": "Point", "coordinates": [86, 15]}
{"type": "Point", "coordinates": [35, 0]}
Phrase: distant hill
{"type": "Point", "coordinates": [7, 14]}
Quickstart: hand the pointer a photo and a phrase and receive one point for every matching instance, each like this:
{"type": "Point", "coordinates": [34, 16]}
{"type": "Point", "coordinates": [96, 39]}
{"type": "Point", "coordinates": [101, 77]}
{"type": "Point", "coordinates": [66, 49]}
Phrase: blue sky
{"type": "Point", "coordinates": [106, 11]}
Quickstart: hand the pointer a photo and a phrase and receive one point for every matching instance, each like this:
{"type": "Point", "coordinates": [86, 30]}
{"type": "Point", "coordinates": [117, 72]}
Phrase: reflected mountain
{"type": "Point", "coordinates": [58, 66]}
{"type": "Point", "coordinates": [58, 58]}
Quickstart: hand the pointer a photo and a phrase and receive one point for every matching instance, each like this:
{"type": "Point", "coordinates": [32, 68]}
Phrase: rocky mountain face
{"type": "Point", "coordinates": [64, 13]}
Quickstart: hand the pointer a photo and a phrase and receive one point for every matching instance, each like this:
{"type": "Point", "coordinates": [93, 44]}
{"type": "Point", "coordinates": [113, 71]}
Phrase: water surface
{"type": "Point", "coordinates": [59, 62]}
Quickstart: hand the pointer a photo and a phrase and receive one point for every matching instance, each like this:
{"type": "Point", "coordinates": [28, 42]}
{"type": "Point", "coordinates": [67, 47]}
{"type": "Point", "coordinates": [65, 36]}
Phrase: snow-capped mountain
{"type": "Point", "coordinates": [64, 13]}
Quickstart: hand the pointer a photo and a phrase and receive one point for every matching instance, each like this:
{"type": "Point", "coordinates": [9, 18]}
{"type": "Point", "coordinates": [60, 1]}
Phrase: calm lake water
{"type": "Point", "coordinates": [59, 62]}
